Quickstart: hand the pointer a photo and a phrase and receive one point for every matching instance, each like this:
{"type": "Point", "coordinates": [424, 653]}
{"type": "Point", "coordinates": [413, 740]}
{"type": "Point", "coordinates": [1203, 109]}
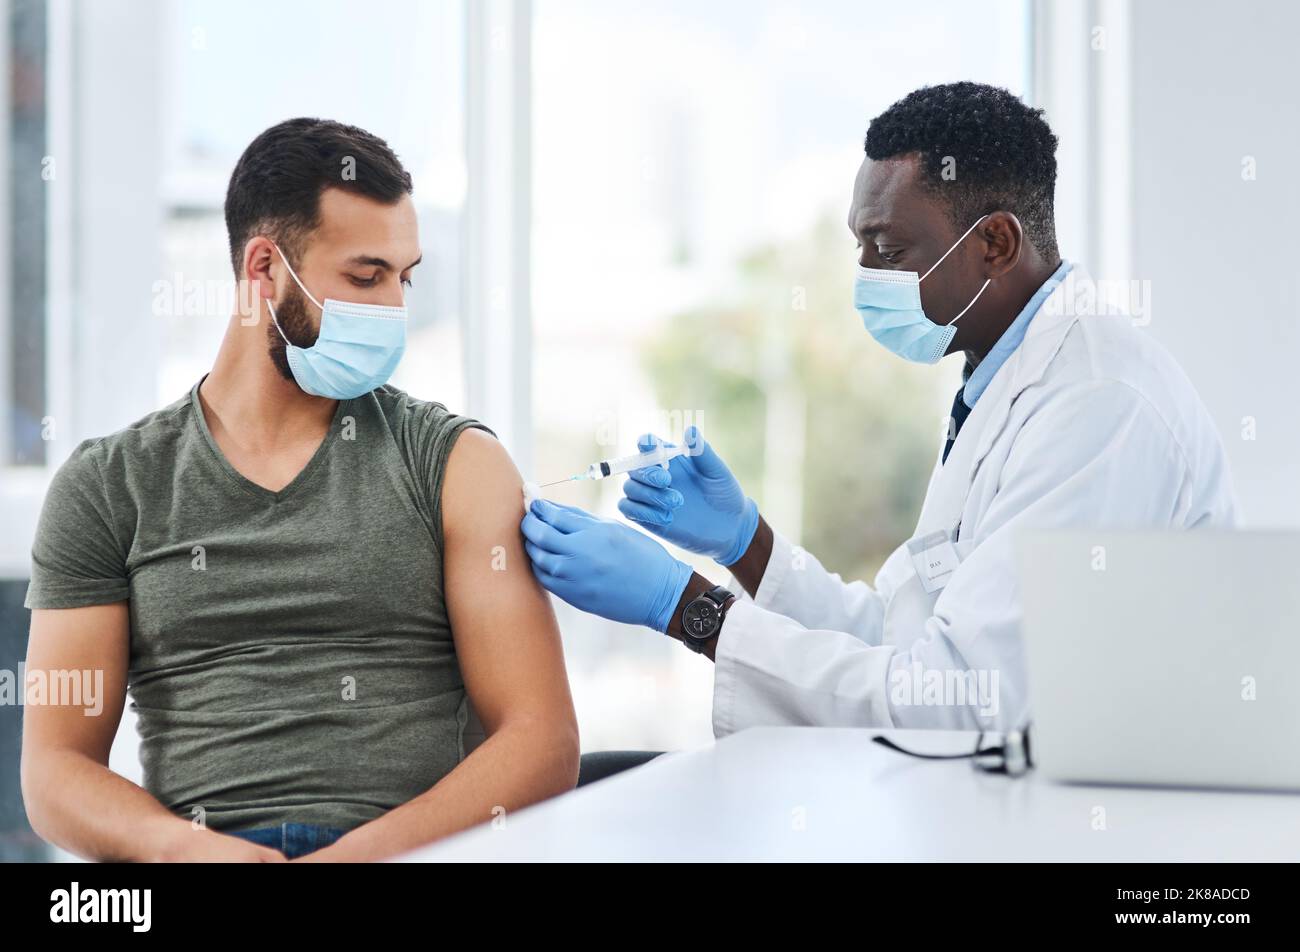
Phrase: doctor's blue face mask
{"type": "Point", "coordinates": [890, 305]}
{"type": "Point", "coordinates": [357, 350]}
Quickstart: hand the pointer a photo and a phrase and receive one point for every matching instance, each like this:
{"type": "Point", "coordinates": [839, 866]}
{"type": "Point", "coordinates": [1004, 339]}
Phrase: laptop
{"type": "Point", "coordinates": [1165, 658]}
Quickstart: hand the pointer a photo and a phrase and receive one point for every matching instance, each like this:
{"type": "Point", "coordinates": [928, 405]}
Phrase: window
{"type": "Point", "coordinates": [26, 171]}
{"type": "Point", "coordinates": [692, 171]}
{"type": "Point", "coordinates": [397, 71]}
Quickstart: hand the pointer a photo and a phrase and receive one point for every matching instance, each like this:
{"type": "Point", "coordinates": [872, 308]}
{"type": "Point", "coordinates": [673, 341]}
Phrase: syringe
{"type": "Point", "coordinates": [659, 456]}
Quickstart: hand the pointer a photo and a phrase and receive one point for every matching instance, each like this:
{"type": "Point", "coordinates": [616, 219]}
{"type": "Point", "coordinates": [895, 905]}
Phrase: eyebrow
{"type": "Point", "coordinates": [869, 228]}
{"type": "Point", "coordinates": [370, 261]}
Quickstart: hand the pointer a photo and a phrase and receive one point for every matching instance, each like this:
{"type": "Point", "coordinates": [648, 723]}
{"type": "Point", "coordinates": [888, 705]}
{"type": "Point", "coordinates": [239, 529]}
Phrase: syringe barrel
{"type": "Point", "coordinates": [625, 464]}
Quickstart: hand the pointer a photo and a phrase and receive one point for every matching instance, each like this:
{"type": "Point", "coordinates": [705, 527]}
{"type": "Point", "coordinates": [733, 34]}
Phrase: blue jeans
{"type": "Point", "coordinates": [292, 839]}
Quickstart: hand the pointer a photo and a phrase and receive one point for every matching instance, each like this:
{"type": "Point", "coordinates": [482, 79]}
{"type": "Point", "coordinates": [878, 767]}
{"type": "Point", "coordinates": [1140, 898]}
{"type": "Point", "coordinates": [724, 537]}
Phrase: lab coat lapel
{"type": "Point", "coordinates": [951, 483]}
{"type": "Point", "coordinates": [945, 502]}
{"type": "Point", "coordinates": [909, 603]}
{"type": "Point", "coordinates": [946, 498]}
{"type": "Point", "coordinates": [1026, 366]}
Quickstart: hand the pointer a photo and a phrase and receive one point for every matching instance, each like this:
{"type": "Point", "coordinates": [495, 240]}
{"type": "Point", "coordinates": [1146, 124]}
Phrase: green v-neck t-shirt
{"type": "Point", "coordinates": [291, 658]}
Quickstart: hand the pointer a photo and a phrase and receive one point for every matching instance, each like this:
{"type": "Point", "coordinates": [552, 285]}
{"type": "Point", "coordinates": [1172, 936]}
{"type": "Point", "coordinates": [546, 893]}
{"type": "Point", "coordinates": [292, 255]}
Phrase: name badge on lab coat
{"type": "Point", "coordinates": [935, 559]}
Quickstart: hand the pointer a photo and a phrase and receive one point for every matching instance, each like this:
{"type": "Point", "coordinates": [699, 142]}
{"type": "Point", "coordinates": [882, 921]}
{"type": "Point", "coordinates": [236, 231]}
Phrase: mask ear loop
{"type": "Point", "coordinates": [939, 262]}
{"type": "Point", "coordinates": [270, 307]}
{"type": "Point", "coordinates": [971, 304]}
{"type": "Point", "coordinates": [924, 276]}
{"type": "Point", "coordinates": [294, 274]}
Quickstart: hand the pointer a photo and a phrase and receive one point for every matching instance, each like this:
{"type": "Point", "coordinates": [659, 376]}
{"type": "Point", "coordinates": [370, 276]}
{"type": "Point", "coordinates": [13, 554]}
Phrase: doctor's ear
{"type": "Point", "coordinates": [1004, 243]}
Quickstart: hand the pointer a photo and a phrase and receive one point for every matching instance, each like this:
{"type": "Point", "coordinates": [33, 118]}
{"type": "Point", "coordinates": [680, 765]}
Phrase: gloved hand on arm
{"type": "Point", "coordinates": [695, 503]}
{"type": "Point", "coordinates": [603, 567]}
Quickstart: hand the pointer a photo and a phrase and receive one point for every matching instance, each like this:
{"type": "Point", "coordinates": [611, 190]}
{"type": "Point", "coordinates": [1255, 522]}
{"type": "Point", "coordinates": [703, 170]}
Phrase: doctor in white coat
{"type": "Point", "coordinates": [1067, 417]}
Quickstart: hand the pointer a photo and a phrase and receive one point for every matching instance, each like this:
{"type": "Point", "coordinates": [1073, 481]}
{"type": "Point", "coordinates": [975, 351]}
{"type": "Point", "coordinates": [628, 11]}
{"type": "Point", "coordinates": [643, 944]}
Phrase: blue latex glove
{"type": "Point", "coordinates": [603, 567]}
{"type": "Point", "coordinates": [696, 503]}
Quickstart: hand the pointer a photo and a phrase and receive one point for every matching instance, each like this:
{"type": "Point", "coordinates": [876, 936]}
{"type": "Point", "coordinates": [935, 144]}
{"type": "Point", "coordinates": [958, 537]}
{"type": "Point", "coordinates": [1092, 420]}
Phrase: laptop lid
{"type": "Point", "coordinates": [1164, 657]}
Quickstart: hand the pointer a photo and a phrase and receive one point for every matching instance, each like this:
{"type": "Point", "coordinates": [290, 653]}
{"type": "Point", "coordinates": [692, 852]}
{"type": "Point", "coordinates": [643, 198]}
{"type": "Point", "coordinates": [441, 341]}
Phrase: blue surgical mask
{"type": "Point", "coordinates": [357, 350]}
{"type": "Point", "coordinates": [890, 305]}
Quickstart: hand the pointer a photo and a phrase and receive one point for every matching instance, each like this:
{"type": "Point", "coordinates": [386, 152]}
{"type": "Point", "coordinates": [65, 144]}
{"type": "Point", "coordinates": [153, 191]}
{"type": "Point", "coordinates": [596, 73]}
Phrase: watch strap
{"type": "Point", "coordinates": [719, 596]}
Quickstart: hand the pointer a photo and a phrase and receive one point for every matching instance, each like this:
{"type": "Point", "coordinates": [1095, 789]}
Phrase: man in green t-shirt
{"type": "Point", "coordinates": [302, 576]}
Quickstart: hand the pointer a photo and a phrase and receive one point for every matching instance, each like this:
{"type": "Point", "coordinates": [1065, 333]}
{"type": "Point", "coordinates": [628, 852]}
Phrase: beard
{"type": "Point", "coordinates": [297, 326]}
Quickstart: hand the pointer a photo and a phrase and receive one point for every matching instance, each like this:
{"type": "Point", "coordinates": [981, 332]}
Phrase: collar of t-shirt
{"type": "Point", "coordinates": [977, 380]}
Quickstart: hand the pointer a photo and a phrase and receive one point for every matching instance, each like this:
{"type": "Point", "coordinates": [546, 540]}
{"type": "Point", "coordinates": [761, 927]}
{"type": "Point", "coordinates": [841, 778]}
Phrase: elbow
{"type": "Point", "coordinates": [560, 755]}
{"type": "Point", "coordinates": [32, 789]}
{"type": "Point", "coordinates": [546, 754]}
{"type": "Point", "coordinates": [567, 757]}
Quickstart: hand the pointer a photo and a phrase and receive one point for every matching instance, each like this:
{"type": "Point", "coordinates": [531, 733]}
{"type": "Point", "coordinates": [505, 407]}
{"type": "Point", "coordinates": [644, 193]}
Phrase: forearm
{"type": "Point", "coordinates": [748, 571]}
{"type": "Point", "coordinates": [82, 806]}
{"type": "Point", "coordinates": [751, 566]}
{"type": "Point", "coordinates": [518, 765]}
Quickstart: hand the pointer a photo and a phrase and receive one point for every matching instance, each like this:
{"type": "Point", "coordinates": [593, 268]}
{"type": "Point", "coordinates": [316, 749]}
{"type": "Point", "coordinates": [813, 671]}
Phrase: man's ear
{"type": "Point", "coordinates": [1005, 241]}
{"type": "Point", "coordinates": [257, 282]}
{"type": "Point", "coordinates": [259, 258]}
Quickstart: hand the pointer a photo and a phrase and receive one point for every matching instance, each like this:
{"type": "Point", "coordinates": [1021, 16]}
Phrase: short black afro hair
{"type": "Point", "coordinates": [982, 150]}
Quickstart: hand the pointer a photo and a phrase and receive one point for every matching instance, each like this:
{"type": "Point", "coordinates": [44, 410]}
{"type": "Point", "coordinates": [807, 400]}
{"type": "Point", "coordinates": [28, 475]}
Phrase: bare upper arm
{"type": "Point", "coordinates": [91, 645]}
{"type": "Point", "coordinates": [507, 639]}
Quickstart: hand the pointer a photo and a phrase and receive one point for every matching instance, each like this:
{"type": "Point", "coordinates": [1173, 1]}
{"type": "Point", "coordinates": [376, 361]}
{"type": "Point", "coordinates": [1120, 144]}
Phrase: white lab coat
{"type": "Point", "coordinates": [1089, 423]}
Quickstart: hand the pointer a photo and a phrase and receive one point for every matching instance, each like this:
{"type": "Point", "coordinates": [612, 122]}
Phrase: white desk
{"type": "Point", "coordinates": [747, 797]}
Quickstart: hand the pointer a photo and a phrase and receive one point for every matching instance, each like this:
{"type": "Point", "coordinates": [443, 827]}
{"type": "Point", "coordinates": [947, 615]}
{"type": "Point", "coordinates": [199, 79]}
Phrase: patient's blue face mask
{"type": "Point", "coordinates": [890, 305]}
{"type": "Point", "coordinates": [357, 350]}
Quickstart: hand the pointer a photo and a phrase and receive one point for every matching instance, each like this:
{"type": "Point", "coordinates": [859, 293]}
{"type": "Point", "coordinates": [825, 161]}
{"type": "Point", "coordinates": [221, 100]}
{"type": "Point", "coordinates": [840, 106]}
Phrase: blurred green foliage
{"type": "Point", "coordinates": [872, 422]}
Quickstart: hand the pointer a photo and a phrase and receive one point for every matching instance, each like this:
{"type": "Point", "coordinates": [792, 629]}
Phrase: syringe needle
{"type": "Point", "coordinates": [556, 483]}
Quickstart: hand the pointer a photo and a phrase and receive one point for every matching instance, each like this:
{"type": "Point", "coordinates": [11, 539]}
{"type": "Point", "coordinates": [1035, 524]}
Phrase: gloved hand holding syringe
{"type": "Point", "coordinates": [608, 568]}
{"type": "Point", "coordinates": [695, 503]}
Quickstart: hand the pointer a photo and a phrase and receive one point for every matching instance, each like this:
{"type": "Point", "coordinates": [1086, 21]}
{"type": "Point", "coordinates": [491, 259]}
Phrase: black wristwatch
{"type": "Point", "coordinates": [703, 616]}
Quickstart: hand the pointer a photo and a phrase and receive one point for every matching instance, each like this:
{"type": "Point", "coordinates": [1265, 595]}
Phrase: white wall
{"type": "Point", "coordinates": [1213, 83]}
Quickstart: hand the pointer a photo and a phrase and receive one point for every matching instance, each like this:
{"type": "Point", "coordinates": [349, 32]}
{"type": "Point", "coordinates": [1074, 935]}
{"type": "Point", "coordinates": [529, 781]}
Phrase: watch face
{"type": "Point", "coordinates": [700, 619]}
